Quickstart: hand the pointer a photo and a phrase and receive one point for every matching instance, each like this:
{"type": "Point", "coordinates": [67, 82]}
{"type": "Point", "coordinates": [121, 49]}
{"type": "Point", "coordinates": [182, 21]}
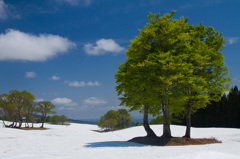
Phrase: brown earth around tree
{"type": "Point", "coordinates": [174, 141]}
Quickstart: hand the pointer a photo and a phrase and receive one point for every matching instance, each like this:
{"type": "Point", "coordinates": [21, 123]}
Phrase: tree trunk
{"type": "Point", "coordinates": [20, 123]}
{"type": "Point", "coordinates": [188, 121]}
{"type": "Point", "coordinates": [32, 121]}
{"type": "Point", "coordinates": [3, 121]}
{"type": "Point", "coordinates": [166, 124]}
{"type": "Point", "coordinates": [42, 124]}
{"type": "Point", "coordinates": [43, 119]}
{"type": "Point", "coordinates": [149, 131]}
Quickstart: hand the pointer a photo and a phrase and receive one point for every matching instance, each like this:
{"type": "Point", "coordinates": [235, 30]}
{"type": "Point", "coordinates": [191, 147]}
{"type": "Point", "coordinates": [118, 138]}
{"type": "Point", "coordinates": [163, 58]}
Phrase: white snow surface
{"type": "Point", "coordinates": [78, 141]}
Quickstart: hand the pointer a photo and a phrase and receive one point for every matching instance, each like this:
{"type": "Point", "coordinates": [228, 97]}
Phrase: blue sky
{"type": "Point", "coordinates": [67, 51]}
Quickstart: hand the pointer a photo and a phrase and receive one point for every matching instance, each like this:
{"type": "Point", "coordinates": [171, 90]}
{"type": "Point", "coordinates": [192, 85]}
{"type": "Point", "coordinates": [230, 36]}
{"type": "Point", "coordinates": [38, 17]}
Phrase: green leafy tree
{"type": "Point", "coordinates": [48, 119]}
{"type": "Point", "coordinates": [30, 112]}
{"type": "Point", "coordinates": [55, 119]}
{"type": "Point", "coordinates": [158, 120]}
{"type": "Point", "coordinates": [124, 118]}
{"type": "Point", "coordinates": [147, 80]}
{"type": "Point", "coordinates": [207, 77]}
{"type": "Point", "coordinates": [3, 107]}
{"type": "Point", "coordinates": [111, 124]}
{"type": "Point", "coordinates": [101, 122]}
{"type": "Point", "coordinates": [172, 67]}
{"type": "Point", "coordinates": [63, 119]}
{"type": "Point", "coordinates": [115, 119]}
{"type": "Point", "coordinates": [17, 107]}
{"type": "Point", "coordinates": [45, 108]}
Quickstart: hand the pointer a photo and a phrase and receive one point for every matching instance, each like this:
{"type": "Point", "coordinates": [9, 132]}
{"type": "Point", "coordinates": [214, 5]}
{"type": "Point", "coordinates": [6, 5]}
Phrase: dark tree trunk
{"type": "Point", "coordinates": [20, 124]}
{"type": "Point", "coordinates": [149, 131]}
{"type": "Point", "coordinates": [32, 122]}
{"type": "Point", "coordinates": [188, 121]}
{"type": "Point", "coordinates": [3, 121]}
{"type": "Point", "coordinates": [166, 124]}
{"type": "Point", "coordinates": [42, 125]}
{"type": "Point", "coordinates": [43, 120]}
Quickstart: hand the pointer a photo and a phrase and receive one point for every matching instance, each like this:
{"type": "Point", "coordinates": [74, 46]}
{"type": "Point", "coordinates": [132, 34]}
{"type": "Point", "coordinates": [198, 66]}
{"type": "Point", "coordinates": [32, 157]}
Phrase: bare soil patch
{"type": "Point", "coordinates": [174, 141]}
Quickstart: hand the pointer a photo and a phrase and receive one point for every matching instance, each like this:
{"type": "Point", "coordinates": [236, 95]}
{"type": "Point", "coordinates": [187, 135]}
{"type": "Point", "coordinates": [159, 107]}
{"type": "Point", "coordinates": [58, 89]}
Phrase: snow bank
{"type": "Point", "coordinates": [78, 141]}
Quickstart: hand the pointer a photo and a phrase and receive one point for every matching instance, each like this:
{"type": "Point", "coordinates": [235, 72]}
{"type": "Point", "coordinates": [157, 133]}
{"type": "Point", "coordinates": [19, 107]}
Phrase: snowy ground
{"type": "Point", "coordinates": [77, 141]}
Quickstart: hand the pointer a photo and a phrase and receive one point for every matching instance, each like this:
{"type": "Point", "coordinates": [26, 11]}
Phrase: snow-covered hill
{"type": "Point", "coordinates": [77, 141]}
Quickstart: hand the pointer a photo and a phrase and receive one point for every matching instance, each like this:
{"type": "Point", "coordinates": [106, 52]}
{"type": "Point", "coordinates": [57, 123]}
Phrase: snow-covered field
{"type": "Point", "coordinates": [77, 141]}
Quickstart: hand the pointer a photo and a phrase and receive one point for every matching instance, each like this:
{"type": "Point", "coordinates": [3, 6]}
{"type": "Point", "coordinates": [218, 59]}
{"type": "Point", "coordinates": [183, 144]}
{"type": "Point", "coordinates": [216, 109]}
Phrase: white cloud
{"type": "Point", "coordinates": [17, 45]}
{"type": "Point", "coordinates": [63, 102]}
{"type": "Point", "coordinates": [82, 83]}
{"type": "Point", "coordinates": [39, 100]}
{"type": "Point", "coordinates": [75, 2]}
{"type": "Point", "coordinates": [7, 11]}
{"type": "Point", "coordinates": [3, 10]}
{"type": "Point", "coordinates": [103, 46]}
{"type": "Point", "coordinates": [55, 78]}
{"type": "Point", "coordinates": [30, 75]}
{"type": "Point", "coordinates": [233, 40]}
{"type": "Point", "coordinates": [94, 101]}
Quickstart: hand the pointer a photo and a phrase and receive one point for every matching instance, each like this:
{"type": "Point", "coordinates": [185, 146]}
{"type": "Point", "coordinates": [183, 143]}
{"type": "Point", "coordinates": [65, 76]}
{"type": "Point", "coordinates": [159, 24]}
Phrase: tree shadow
{"type": "Point", "coordinates": [113, 144]}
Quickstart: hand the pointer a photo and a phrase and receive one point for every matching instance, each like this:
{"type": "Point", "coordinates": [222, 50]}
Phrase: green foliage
{"type": "Point", "coordinates": [223, 113]}
{"type": "Point", "coordinates": [63, 119]}
{"type": "Point", "coordinates": [115, 120]}
{"type": "Point", "coordinates": [139, 124]}
{"type": "Point", "coordinates": [16, 105]}
{"type": "Point", "coordinates": [158, 120]}
{"type": "Point", "coordinates": [48, 118]}
{"type": "Point", "coordinates": [171, 66]}
{"type": "Point", "coordinates": [20, 107]}
{"type": "Point", "coordinates": [154, 65]}
{"type": "Point", "coordinates": [45, 108]}
{"type": "Point", "coordinates": [55, 119]}
{"type": "Point", "coordinates": [111, 123]}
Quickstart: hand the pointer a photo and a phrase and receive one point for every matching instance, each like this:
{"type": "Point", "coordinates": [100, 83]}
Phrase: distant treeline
{"type": "Point", "coordinates": [56, 119]}
{"type": "Point", "coordinates": [82, 122]}
{"type": "Point", "coordinates": [224, 113]}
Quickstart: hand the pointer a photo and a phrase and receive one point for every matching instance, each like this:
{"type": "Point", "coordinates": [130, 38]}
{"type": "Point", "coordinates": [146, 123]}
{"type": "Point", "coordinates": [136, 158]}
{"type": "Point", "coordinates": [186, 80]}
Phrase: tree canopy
{"type": "Point", "coordinates": [19, 107]}
{"type": "Point", "coordinates": [45, 108]}
{"type": "Point", "coordinates": [115, 120]}
{"type": "Point", "coordinates": [172, 67]}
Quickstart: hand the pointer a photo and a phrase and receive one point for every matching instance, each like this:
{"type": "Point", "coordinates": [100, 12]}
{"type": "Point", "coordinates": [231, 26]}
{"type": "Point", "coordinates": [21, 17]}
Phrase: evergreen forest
{"type": "Point", "coordinates": [224, 113]}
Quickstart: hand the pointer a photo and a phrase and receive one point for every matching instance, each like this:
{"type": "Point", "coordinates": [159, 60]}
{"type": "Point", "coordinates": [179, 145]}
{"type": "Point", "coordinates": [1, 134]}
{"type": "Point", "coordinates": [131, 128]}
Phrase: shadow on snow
{"type": "Point", "coordinates": [113, 144]}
